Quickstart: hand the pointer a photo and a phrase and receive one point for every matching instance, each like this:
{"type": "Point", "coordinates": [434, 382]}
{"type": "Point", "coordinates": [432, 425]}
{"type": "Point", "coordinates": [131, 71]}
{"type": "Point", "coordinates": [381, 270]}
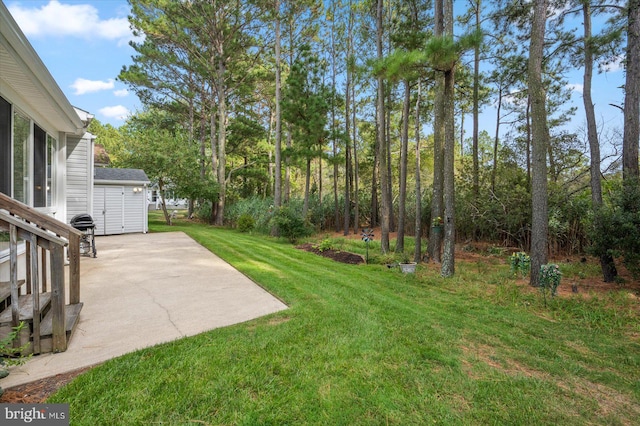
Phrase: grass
{"type": "Point", "coordinates": [368, 345]}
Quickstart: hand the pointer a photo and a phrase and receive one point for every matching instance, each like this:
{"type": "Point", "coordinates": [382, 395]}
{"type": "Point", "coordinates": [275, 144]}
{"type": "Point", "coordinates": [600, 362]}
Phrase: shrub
{"type": "Point", "coordinates": [549, 280]}
{"type": "Point", "coordinates": [520, 262]}
{"type": "Point", "coordinates": [246, 223]}
{"type": "Point", "coordinates": [290, 225]}
{"type": "Point", "coordinates": [324, 245]}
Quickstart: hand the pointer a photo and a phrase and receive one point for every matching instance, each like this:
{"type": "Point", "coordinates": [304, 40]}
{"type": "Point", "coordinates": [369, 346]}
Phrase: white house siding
{"type": "Point", "coordinates": [135, 210]}
{"type": "Point", "coordinates": [79, 176]}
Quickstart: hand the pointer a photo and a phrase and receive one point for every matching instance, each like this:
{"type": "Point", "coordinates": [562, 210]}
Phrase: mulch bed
{"type": "Point", "coordinates": [38, 391]}
{"type": "Point", "coordinates": [338, 256]}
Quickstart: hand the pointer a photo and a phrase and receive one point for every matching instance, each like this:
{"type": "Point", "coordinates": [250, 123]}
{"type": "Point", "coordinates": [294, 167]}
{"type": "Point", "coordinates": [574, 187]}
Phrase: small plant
{"type": "Point", "coordinates": [246, 223]}
{"type": "Point", "coordinates": [10, 355]}
{"type": "Point", "coordinates": [520, 262]}
{"type": "Point", "coordinates": [437, 221]}
{"type": "Point", "coordinates": [404, 258]}
{"type": "Point", "coordinates": [549, 280]}
{"type": "Point", "coordinates": [323, 246]}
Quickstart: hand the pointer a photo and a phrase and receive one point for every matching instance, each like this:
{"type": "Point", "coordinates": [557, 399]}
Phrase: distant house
{"type": "Point", "coordinates": [120, 201]}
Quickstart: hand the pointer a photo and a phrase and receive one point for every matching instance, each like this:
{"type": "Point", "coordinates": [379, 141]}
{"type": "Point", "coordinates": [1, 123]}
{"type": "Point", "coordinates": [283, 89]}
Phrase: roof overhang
{"type": "Point", "coordinates": [121, 182]}
{"type": "Point", "coordinates": [24, 75]}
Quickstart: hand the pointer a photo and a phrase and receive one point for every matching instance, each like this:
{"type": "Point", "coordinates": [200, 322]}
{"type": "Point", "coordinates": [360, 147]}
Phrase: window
{"type": "Point", "coordinates": [39, 167]}
{"type": "Point", "coordinates": [26, 158]}
{"type": "Point", "coordinates": [51, 149]}
{"type": "Point", "coordinates": [21, 157]}
{"type": "Point", "coordinates": [5, 147]}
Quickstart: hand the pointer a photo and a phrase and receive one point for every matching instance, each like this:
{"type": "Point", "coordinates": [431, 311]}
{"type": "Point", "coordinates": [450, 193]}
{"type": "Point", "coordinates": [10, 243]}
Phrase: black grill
{"type": "Point", "coordinates": [84, 222]}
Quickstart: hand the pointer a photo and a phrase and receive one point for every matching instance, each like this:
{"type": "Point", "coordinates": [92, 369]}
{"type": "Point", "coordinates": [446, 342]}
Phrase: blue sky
{"type": "Point", "coordinates": [84, 44]}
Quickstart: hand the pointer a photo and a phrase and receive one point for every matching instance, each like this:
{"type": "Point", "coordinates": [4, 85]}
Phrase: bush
{"type": "Point", "coordinates": [246, 223]}
{"type": "Point", "coordinates": [616, 227]}
{"type": "Point", "coordinates": [520, 262]}
{"type": "Point", "coordinates": [290, 225]}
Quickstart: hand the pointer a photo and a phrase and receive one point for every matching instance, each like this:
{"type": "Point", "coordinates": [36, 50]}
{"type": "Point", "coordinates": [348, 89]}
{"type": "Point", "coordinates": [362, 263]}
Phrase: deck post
{"type": "Point", "coordinates": [59, 333]}
{"type": "Point", "coordinates": [35, 289]}
{"type": "Point", "coordinates": [74, 268]}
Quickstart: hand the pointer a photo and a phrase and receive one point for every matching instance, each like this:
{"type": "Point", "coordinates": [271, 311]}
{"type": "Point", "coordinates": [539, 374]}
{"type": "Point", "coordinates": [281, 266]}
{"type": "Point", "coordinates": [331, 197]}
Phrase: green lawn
{"type": "Point", "coordinates": [367, 345]}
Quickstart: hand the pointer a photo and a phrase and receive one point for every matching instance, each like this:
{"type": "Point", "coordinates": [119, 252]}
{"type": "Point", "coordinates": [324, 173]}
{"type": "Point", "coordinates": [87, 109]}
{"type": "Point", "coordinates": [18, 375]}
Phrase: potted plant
{"type": "Point", "coordinates": [436, 224]}
{"type": "Point", "coordinates": [406, 265]}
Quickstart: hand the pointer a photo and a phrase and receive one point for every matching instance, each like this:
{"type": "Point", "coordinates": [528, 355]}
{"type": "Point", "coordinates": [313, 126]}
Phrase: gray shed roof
{"type": "Point", "coordinates": [103, 174]}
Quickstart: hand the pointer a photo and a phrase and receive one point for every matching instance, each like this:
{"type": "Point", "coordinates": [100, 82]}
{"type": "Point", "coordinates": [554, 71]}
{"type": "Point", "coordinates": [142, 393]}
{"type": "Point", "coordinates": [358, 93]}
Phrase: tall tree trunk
{"type": "Point", "coordinates": [334, 126]}
{"type": "Point", "coordinates": [347, 123]}
{"type": "Point", "coordinates": [356, 168]}
{"type": "Point", "coordinates": [222, 142]}
{"type": "Point", "coordinates": [287, 169]}
{"type": "Point", "coordinates": [540, 141]}
{"type": "Point", "coordinates": [382, 142]}
{"type": "Point", "coordinates": [437, 207]}
{"type": "Point", "coordinates": [307, 182]}
{"type": "Point", "coordinates": [476, 114]}
{"type": "Point", "coordinates": [417, 253]}
{"type": "Point", "coordinates": [277, 194]}
{"type": "Point", "coordinates": [402, 196]}
{"type": "Point", "coordinates": [631, 134]}
{"type": "Point", "coordinates": [494, 169]}
{"type": "Point", "coordinates": [448, 253]}
{"type": "Point", "coordinates": [609, 271]}
{"type": "Point", "coordinates": [529, 135]}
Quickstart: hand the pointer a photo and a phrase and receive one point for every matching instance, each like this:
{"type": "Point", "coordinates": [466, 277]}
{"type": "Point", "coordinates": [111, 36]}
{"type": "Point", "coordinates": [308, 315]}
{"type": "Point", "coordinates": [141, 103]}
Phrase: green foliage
{"type": "Point", "coordinates": [246, 223]}
{"type": "Point", "coordinates": [520, 262]}
{"type": "Point", "coordinates": [324, 245]}
{"type": "Point", "coordinates": [549, 280]}
{"type": "Point", "coordinates": [290, 224]}
{"type": "Point", "coordinates": [7, 349]}
{"type": "Point", "coordinates": [10, 355]}
{"type": "Point", "coordinates": [259, 208]}
{"type": "Point", "coordinates": [616, 228]}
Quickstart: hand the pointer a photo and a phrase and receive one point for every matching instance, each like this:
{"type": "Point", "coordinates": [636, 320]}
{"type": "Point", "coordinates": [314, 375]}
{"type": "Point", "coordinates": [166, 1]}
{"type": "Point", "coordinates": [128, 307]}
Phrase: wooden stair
{"type": "Point", "coordinates": [72, 314]}
{"type": "Point", "coordinates": [25, 302]}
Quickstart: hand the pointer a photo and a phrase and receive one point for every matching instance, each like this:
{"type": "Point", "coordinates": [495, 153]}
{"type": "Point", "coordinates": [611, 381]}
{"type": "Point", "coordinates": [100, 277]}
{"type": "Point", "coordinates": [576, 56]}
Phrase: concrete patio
{"type": "Point", "coordinates": [146, 289]}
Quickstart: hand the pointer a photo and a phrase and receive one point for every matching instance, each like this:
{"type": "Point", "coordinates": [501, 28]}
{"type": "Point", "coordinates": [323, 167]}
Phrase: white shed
{"type": "Point", "coordinates": [120, 201]}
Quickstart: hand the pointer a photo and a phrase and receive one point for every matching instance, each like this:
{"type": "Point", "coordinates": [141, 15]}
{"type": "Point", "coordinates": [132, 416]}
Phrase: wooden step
{"type": "Point", "coordinates": [72, 314]}
{"type": "Point", "coordinates": [5, 293]}
{"type": "Point", "coordinates": [25, 302]}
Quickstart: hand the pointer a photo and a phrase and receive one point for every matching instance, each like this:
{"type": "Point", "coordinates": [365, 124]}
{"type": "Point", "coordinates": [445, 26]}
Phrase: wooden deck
{"type": "Point", "coordinates": [39, 246]}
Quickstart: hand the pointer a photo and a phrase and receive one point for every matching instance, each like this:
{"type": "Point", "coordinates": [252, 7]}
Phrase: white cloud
{"type": "Point", "coordinates": [575, 87]}
{"type": "Point", "coordinates": [83, 86]}
{"type": "Point", "coordinates": [77, 20]}
{"type": "Point", "coordinates": [121, 93]}
{"type": "Point", "coordinates": [119, 112]}
{"type": "Point", "coordinates": [612, 65]}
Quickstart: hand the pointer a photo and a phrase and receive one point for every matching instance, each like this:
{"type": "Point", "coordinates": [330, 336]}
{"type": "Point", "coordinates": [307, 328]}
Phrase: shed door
{"type": "Point", "coordinates": [108, 209]}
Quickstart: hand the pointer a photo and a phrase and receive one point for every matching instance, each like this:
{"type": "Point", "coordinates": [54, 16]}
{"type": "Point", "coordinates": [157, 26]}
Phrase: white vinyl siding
{"type": "Point", "coordinates": [119, 210]}
{"type": "Point", "coordinates": [79, 176]}
{"type": "Point", "coordinates": [135, 206]}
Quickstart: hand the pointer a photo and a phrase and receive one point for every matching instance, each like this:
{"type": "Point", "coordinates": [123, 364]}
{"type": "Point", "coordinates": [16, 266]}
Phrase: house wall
{"type": "Point", "coordinates": [79, 190]}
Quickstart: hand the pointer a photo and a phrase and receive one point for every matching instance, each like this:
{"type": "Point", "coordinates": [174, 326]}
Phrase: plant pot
{"type": "Point", "coordinates": [437, 229]}
{"type": "Point", "coordinates": [408, 268]}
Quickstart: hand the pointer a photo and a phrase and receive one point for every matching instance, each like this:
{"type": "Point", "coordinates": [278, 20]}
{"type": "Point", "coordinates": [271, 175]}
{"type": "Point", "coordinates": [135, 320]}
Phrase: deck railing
{"type": "Point", "coordinates": [45, 240]}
